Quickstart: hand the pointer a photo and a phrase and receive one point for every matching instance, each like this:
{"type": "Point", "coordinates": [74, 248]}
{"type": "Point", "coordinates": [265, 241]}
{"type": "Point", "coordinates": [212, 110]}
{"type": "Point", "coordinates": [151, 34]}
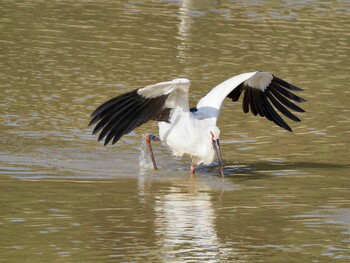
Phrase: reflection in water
{"type": "Point", "coordinates": [184, 29]}
{"type": "Point", "coordinates": [185, 221]}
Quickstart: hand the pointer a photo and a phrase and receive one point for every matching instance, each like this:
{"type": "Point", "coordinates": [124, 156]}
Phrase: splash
{"type": "Point", "coordinates": [145, 158]}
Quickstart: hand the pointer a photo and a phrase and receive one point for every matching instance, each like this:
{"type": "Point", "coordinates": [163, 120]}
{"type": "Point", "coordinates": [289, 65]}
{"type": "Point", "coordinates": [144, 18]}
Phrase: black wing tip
{"type": "Point", "coordinates": [286, 84]}
{"type": "Point", "coordinates": [122, 114]}
{"type": "Point", "coordinates": [288, 128]}
{"type": "Point", "coordinates": [93, 114]}
{"type": "Point", "coordinates": [99, 109]}
{"type": "Point", "coordinates": [300, 100]}
{"type": "Point", "coordinates": [285, 97]}
{"type": "Point", "coordinates": [279, 94]}
{"type": "Point", "coordinates": [92, 121]}
{"type": "Point", "coordinates": [95, 131]}
{"type": "Point", "coordinates": [107, 141]}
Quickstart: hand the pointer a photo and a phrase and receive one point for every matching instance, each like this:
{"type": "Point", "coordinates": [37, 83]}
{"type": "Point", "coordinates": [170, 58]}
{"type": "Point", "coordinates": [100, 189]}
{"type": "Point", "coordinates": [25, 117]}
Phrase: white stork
{"type": "Point", "coordinates": [189, 131]}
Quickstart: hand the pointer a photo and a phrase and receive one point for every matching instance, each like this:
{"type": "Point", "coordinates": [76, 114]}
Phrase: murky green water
{"type": "Point", "coordinates": [66, 198]}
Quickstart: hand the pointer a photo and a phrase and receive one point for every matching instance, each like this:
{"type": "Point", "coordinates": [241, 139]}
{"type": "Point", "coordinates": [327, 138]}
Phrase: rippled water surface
{"type": "Point", "coordinates": [66, 198]}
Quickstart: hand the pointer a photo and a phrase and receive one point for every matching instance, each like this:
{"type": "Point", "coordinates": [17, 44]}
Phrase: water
{"type": "Point", "coordinates": [66, 198]}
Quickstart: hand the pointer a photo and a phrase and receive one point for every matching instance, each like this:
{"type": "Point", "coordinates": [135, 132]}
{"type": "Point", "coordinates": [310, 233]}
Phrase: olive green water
{"type": "Point", "coordinates": [66, 198]}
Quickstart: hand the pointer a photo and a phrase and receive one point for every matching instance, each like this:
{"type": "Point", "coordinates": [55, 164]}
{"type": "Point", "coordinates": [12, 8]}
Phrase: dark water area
{"type": "Point", "coordinates": [66, 198]}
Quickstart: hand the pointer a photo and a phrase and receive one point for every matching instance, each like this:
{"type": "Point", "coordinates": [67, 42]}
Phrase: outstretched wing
{"type": "Point", "coordinates": [264, 94]}
{"type": "Point", "coordinates": [122, 114]}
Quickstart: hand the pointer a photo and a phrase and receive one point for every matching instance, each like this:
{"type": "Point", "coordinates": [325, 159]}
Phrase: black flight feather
{"type": "Point", "coordinates": [122, 114]}
{"type": "Point", "coordinates": [276, 96]}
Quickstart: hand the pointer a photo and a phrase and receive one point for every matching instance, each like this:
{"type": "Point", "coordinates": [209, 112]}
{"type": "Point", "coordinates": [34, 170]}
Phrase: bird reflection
{"type": "Point", "coordinates": [185, 224]}
{"type": "Point", "coordinates": [184, 220]}
{"type": "Point", "coordinates": [184, 29]}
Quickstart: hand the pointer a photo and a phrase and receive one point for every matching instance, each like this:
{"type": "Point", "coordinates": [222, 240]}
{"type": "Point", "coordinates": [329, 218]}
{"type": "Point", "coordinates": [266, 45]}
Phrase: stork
{"type": "Point", "coordinates": [189, 131]}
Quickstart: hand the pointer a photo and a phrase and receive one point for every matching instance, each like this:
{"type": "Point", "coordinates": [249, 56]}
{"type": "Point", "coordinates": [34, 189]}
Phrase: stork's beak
{"type": "Point", "coordinates": [216, 145]}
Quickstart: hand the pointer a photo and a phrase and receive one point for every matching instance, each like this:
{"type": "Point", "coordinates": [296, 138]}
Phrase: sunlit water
{"type": "Point", "coordinates": [66, 198]}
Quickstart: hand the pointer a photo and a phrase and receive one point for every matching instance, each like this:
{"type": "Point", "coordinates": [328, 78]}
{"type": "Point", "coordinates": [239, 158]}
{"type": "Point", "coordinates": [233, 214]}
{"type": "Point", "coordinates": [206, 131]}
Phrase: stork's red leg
{"type": "Point", "coordinates": [149, 138]}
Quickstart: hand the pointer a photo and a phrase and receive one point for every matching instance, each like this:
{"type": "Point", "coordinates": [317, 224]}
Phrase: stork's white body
{"type": "Point", "coordinates": [184, 136]}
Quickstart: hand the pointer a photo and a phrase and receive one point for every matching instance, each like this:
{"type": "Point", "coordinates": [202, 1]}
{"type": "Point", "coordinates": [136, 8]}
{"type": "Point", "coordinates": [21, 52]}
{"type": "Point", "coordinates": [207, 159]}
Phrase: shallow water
{"type": "Point", "coordinates": [66, 198]}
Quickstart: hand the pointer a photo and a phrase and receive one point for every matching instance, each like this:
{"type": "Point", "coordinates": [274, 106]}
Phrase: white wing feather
{"type": "Point", "coordinates": [177, 90]}
{"type": "Point", "coordinates": [215, 97]}
{"type": "Point", "coordinates": [209, 106]}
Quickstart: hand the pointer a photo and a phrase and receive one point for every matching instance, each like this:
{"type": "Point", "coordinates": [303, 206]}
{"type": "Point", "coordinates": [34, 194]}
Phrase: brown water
{"type": "Point", "coordinates": [66, 198]}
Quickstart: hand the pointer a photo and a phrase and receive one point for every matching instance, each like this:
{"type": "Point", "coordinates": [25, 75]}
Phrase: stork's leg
{"type": "Point", "coordinates": [149, 138]}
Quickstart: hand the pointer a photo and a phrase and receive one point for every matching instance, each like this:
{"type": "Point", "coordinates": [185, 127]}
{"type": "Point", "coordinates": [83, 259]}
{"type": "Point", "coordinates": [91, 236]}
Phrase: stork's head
{"type": "Point", "coordinates": [215, 134]}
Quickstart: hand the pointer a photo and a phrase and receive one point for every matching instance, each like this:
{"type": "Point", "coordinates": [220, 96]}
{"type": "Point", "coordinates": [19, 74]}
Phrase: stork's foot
{"type": "Point", "coordinates": [149, 138]}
